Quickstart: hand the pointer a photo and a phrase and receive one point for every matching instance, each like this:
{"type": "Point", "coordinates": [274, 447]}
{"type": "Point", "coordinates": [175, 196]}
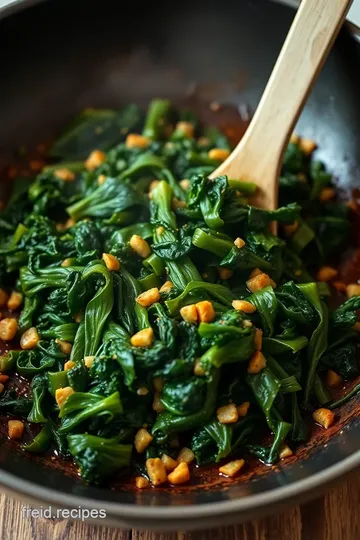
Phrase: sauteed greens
{"type": "Point", "coordinates": [160, 321]}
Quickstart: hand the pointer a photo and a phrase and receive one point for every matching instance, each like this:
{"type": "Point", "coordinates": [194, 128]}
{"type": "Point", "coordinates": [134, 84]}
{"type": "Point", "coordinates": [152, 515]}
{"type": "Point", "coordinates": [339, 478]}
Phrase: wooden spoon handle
{"type": "Point", "coordinates": [259, 153]}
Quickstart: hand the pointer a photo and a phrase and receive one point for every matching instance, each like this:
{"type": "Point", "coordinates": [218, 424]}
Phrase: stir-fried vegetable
{"type": "Point", "coordinates": [152, 302]}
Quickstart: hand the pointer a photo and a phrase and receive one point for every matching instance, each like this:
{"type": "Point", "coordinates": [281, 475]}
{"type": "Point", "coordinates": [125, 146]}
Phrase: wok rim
{"type": "Point", "coordinates": [168, 514]}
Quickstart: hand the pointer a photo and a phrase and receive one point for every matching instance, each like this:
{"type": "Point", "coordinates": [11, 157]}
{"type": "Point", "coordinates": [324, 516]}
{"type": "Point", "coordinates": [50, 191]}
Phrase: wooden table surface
{"type": "Point", "coordinates": [333, 517]}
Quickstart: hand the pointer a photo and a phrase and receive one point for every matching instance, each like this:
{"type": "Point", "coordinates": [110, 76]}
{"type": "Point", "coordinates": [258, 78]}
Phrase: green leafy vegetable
{"type": "Point", "coordinates": [212, 442]}
{"type": "Point", "coordinates": [112, 257]}
{"type": "Point", "coordinates": [95, 129]}
{"type": "Point", "coordinates": [41, 442]}
{"type": "Point", "coordinates": [318, 340]}
{"type": "Point", "coordinates": [112, 196]}
{"type": "Point", "coordinates": [98, 458]}
{"type": "Point", "coordinates": [88, 405]}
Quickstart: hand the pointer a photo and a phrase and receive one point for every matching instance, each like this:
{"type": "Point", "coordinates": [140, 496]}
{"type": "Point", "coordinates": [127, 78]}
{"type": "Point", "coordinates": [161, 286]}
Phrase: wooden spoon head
{"type": "Point", "coordinates": [240, 165]}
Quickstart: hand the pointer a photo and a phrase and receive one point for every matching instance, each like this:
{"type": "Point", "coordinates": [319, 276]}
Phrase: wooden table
{"type": "Point", "coordinates": [333, 517]}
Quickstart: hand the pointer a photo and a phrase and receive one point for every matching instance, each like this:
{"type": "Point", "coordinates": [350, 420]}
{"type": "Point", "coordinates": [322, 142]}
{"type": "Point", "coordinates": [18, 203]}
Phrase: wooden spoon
{"type": "Point", "coordinates": [258, 156]}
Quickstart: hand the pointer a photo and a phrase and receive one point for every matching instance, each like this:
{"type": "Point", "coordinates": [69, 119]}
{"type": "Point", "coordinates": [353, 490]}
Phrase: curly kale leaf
{"type": "Point", "coordinates": [185, 397]}
{"type": "Point", "coordinates": [208, 195]}
{"type": "Point", "coordinates": [98, 458]}
{"type": "Point", "coordinates": [345, 316]}
{"type": "Point", "coordinates": [112, 196]}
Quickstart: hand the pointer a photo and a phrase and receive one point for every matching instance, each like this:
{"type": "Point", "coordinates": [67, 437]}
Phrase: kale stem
{"type": "Point", "coordinates": [161, 199]}
{"type": "Point", "coordinates": [345, 398]}
{"type": "Point", "coordinates": [41, 442]}
{"type": "Point", "coordinates": [156, 264]}
{"type": "Point", "coordinates": [212, 241]}
{"type": "Point", "coordinates": [150, 281]}
{"type": "Point", "coordinates": [217, 292]}
{"type": "Point", "coordinates": [248, 188]}
{"type": "Point", "coordinates": [57, 380]}
{"type": "Point", "coordinates": [156, 118]}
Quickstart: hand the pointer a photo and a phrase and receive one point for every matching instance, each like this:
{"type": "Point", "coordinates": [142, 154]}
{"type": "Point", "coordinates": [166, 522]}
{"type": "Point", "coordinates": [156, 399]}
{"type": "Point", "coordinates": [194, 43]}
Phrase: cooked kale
{"type": "Point", "coordinates": [98, 458]}
{"type": "Point", "coordinates": [152, 299]}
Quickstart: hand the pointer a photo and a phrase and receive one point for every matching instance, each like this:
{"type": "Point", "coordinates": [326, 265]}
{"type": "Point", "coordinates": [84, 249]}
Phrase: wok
{"type": "Point", "coordinates": [59, 57]}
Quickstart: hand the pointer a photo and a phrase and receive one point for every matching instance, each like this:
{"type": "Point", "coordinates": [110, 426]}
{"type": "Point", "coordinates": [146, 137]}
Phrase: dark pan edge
{"type": "Point", "coordinates": [17, 5]}
{"type": "Point", "coordinates": [229, 511]}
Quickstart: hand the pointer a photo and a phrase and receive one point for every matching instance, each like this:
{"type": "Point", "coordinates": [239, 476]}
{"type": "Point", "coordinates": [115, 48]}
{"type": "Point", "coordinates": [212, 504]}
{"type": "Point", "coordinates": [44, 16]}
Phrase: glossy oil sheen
{"type": "Point", "coordinates": [60, 57]}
